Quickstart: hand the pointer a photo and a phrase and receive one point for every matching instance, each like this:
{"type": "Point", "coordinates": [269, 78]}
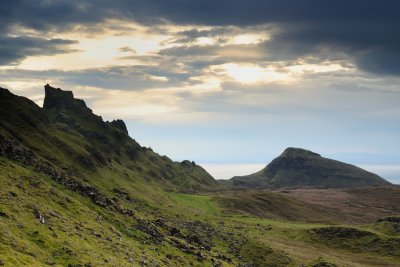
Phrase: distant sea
{"type": "Point", "coordinates": [390, 172]}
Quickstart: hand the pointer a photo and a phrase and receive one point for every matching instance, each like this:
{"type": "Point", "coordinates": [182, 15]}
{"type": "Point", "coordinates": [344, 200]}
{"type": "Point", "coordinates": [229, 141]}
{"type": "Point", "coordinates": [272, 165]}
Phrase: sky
{"type": "Point", "coordinates": [219, 82]}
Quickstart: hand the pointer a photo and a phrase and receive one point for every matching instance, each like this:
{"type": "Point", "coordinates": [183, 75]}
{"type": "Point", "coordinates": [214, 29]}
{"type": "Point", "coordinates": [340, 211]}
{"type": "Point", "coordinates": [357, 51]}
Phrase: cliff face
{"type": "Point", "coordinates": [297, 167]}
{"type": "Point", "coordinates": [59, 99]}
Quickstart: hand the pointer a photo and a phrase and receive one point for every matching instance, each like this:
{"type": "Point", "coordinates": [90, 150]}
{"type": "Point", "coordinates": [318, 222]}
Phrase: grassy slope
{"type": "Point", "coordinates": [166, 227]}
{"type": "Point", "coordinates": [77, 231]}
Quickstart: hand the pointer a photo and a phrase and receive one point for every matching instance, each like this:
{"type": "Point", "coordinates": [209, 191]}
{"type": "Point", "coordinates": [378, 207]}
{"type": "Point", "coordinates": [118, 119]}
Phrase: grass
{"type": "Point", "coordinates": [199, 203]}
{"type": "Point", "coordinates": [166, 228]}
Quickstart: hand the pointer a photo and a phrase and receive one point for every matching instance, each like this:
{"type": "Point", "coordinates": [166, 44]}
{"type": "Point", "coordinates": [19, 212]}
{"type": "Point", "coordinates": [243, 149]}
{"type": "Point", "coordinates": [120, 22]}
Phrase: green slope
{"type": "Point", "coordinates": [78, 191]}
{"type": "Point", "coordinates": [301, 168]}
{"type": "Point", "coordinates": [68, 135]}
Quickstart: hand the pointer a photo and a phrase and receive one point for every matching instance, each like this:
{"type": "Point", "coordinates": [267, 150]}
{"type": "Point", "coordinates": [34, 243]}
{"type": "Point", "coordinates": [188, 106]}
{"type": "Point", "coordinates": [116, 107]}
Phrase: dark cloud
{"type": "Point", "coordinates": [134, 78]}
{"type": "Point", "coordinates": [380, 61]}
{"type": "Point", "coordinates": [42, 14]}
{"type": "Point", "coordinates": [15, 49]}
{"type": "Point", "coordinates": [127, 49]}
{"type": "Point", "coordinates": [366, 31]}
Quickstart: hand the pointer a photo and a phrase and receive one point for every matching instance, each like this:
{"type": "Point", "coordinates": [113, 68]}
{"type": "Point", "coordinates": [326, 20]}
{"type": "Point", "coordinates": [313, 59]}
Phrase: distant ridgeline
{"type": "Point", "coordinates": [300, 168]}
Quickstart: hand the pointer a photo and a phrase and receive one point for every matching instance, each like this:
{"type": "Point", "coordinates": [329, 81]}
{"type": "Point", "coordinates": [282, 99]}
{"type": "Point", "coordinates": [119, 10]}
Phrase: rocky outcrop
{"type": "Point", "coordinates": [119, 124]}
{"type": "Point", "coordinates": [57, 98]}
{"type": "Point", "coordinates": [12, 149]}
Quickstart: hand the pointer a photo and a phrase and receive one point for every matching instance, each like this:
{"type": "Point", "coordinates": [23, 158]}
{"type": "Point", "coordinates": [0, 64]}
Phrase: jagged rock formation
{"type": "Point", "coordinates": [59, 99]}
{"type": "Point", "coordinates": [297, 167]}
{"type": "Point", "coordinates": [119, 124]}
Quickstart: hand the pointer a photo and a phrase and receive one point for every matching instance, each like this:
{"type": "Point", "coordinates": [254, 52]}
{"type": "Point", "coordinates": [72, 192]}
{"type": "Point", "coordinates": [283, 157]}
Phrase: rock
{"type": "Point", "coordinates": [119, 124]}
{"type": "Point", "coordinates": [130, 260]}
{"type": "Point", "coordinates": [57, 98]}
{"type": "Point", "coordinates": [39, 215]}
{"type": "Point", "coordinates": [115, 231]}
{"type": "Point", "coordinates": [1, 262]}
{"type": "Point", "coordinates": [119, 191]}
{"type": "Point", "coordinates": [150, 229]}
{"type": "Point", "coordinates": [200, 256]}
{"type": "Point", "coordinates": [12, 149]}
{"type": "Point", "coordinates": [340, 232]}
{"type": "Point", "coordinates": [96, 234]}
{"type": "Point", "coordinates": [188, 164]}
{"type": "Point", "coordinates": [175, 232]}
{"type": "Point", "coordinates": [391, 219]}
{"type": "Point", "coordinates": [96, 155]}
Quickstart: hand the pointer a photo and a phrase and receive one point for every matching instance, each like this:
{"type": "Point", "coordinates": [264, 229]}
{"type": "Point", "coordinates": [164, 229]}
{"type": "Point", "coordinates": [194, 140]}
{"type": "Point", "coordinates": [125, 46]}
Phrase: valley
{"type": "Point", "coordinates": [79, 191]}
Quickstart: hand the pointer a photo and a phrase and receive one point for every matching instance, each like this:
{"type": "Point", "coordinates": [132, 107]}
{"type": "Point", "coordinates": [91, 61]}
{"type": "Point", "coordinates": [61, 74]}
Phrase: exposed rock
{"type": "Point", "coordinates": [394, 221]}
{"type": "Point", "coordinates": [119, 124]}
{"type": "Point", "coordinates": [115, 231]}
{"type": "Point", "coordinates": [151, 230]}
{"type": "Point", "coordinates": [391, 219]}
{"type": "Point", "coordinates": [57, 98]}
{"type": "Point", "coordinates": [133, 152]}
{"type": "Point", "coordinates": [96, 155]}
{"type": "Point", "coordinates": [340, 232]}
{"type": "Point", "coordinates": [12, 149]}
{"type": "Point", "coordinates": [175, 232]}
{"type": "Point", "coordinates": [188, 164]}
{"type": "Point", "coordinates": [96, 234]}
{"type": "Point", "coordinates": [39, 215]}
{"type": "Point", "coordinates": [119, 191]}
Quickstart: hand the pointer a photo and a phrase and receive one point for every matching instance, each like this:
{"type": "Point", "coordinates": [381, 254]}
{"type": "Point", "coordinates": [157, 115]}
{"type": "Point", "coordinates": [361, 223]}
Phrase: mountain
{"type": "Point", "coordinates": [78, 191]}
{"type": "Point", "coordinates": [66, 134]}
{"type": "Point", "coordinates": [297, 167]}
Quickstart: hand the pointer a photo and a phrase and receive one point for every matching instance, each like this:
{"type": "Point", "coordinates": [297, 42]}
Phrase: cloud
{"type": "Point", "coordinates": [127, 49]}
{"type": "Point", "coordinates": [127, 78]}
{"type": "Point", "coordinates": [15, 49]}
{"type": "Point", "coordinates": [365, 32]}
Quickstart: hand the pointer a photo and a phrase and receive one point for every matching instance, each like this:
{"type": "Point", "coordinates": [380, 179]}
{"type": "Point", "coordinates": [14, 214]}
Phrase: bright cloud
{"type": "Point", "coordinates": [249, 74]}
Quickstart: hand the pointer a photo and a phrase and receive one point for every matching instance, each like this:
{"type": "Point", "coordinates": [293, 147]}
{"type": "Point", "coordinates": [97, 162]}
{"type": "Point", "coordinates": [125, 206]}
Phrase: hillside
{"type": "Point", "coordinates": [300, 168]}
{"type": "Point", "coordinates": [78, 191]}
{"type": "Point", "coordinates": [66, 134]}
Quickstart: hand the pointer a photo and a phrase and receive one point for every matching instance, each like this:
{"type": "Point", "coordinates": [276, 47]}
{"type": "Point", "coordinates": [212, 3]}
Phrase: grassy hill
{"type": "Point", "coordinates": [301, 168]}
{"type": "Point", "coordinates": [78, 191]}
